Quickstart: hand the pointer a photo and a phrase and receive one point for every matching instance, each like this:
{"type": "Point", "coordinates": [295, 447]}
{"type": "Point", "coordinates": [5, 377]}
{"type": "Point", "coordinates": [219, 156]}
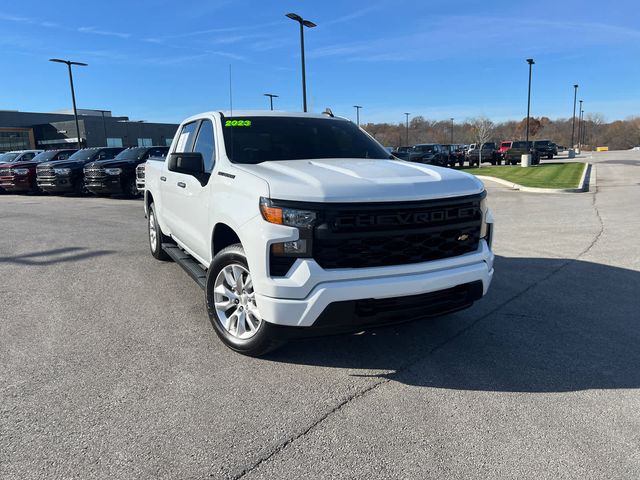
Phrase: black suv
{"type": "Point", "coordinates": [431, 153]}
{"type": "Point", "coordinates": [519, 148]}
{"type": "Point", "coordinates": [489, 154]}
{"type": "Point", "coordinates": [66, 176]}
{"type": "Point", "coordinates": [546, 148]}
{"type": "Point", "coordinates": [106, 177]}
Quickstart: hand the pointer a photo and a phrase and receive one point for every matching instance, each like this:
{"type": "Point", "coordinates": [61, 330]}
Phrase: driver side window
{"type": "Point", "coordinates": [205, 144]}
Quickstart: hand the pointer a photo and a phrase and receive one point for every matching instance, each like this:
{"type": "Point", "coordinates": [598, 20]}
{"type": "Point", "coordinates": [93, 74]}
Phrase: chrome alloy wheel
{"type": "Point", "coordinates": [153, 234]}
{"type": "Point", "coordinates": [235, 302]}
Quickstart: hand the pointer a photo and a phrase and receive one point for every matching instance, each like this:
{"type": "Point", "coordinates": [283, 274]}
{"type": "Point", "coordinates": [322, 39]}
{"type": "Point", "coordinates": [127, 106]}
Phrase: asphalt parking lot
{"type": "Point", "coordinates": [109, 367]}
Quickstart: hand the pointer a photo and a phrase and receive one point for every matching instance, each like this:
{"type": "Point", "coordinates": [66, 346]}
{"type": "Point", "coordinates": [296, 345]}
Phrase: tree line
{"type": "Point", "coordinates": [594, 131]}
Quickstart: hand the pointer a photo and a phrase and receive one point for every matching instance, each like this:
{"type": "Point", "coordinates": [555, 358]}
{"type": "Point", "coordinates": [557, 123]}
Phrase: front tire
{"type": "Point", "coordinates": [156, 237]}
{"type": "Point", "coordinates": [232, 308]}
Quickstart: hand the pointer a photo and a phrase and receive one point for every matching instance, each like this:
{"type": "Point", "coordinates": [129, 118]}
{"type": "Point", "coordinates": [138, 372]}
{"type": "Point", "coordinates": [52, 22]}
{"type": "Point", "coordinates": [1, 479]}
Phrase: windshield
{"type": "Point", "coordinates": [543, 143]}
{"type": "Point", "coordinates": [505, 144]}
{"type": "Point", "coordinates": [131, 153]}
{"type": "Point", "coordinates": [45, 156]}
{"type": "Point", "coordinates": [8, 157]}
{"type": "Point", "coordinates": [260, 139]}
{"type": "Point", "coordinates": [83, 154]}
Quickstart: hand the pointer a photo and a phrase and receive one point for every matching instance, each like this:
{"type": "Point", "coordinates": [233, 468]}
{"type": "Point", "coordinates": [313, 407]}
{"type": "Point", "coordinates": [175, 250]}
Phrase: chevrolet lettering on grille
{"type": "Point", "coordinates": [411, 218]}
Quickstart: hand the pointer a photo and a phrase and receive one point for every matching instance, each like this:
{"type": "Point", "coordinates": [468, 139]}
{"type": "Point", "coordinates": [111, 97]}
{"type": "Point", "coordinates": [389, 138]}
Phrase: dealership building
{"type": "Point", "coordinates": [98, 128]}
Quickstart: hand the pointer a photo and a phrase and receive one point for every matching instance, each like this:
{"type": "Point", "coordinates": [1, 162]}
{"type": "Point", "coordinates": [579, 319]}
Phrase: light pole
{"type": "Point", "coordinates": [303, 23]}
{"type": "Point", "coordinates": [530, 62]}
{"type": "Point", "coordinates": [357, 107]}
{"type": "Point", "coordinates": [451, 130]}
{"type": "Point", "coordinates": [573, 122]}
{"type": "Point", "coordinates": [584, 135]}
{"type": "Point", "coordinates": [579, 124]}
{"type": "Point", "coordinates": [73, 95]}
{"type": "Point", "coordinates": [271, 97]}
{"type": "Point", "coordinates": [407, 125]}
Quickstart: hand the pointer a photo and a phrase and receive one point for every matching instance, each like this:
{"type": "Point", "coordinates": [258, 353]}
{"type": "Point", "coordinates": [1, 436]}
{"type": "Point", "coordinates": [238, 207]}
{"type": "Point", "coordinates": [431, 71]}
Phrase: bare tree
{"type": "Point", "coordinates": [482, 129]}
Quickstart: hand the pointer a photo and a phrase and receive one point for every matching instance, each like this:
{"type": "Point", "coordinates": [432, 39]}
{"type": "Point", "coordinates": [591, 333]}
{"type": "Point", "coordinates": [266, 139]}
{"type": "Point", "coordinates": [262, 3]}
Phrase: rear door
{"type": "Point", "coordinates": [193, 194]}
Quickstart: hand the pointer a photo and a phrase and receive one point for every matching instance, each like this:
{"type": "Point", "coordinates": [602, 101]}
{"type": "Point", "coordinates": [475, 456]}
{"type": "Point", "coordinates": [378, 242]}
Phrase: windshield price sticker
{"type": "Point", "coordinates": [237, 123]}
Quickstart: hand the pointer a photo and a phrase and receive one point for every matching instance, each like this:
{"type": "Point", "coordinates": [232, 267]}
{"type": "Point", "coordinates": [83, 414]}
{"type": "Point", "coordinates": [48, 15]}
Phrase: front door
{"type": "Point", "coordinates": [192, 197]}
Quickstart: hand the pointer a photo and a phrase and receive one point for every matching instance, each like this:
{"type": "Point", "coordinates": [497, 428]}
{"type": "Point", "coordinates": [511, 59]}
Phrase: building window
{"type": "Point", "coordinates": [167, 141]}
{"type": "Point", "coordinates": [114, 142]}
{"type": "Point", "coordinates": [14, 139]}
{"type": "Point", "coordinates": [145, 142]}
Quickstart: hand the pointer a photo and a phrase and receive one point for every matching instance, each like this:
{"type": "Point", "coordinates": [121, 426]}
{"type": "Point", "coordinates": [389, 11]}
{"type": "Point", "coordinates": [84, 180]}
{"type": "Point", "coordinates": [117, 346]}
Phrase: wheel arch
{"type": "Point", "coordinates": [222, 236]}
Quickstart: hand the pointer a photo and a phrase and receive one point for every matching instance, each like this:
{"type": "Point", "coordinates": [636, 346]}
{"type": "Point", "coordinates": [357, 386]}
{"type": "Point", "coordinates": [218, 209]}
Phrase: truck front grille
{"type": "Point", "coordinates": [94, 174]}
{"type": "Point", "coordinates": [5, 172]}
{"type": "Point", "coordinates": [370, 235]}
{"type": "Point", "coordinates": [45, 174]}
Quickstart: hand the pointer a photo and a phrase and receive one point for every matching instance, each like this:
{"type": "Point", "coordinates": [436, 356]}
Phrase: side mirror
{"type": "Point", "coordinates": [191, 163]}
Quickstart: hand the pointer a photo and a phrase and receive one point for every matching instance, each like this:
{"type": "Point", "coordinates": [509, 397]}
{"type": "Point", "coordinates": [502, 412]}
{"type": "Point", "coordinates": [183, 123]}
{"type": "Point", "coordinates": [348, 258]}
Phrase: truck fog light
{"type": "Point", "coordinates": [296, 248]}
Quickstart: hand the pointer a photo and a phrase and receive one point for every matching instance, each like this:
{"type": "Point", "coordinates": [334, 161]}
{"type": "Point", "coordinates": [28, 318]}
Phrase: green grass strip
{"type": "Point", "coordinates": [548, 175]}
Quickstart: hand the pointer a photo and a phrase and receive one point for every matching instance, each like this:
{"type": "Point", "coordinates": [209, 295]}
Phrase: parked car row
{"type": "Point", "coordinates": [101, 170]}
{"type": "Point", "coordinates": [451, 155]}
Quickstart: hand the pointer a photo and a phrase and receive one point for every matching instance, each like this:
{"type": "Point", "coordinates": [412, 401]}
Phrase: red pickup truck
{"type": "Point", "coordinates": [504, 146]}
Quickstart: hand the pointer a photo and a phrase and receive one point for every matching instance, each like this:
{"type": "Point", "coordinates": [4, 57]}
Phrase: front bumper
{"type": "Point", "coordinates": [16, 183]}
{"type": "Point", "coordinates": [58, 184]}
{"type": "Point", "coordinates": [105, 186]}
{"type": "Point", "coordinates": [306, 311]}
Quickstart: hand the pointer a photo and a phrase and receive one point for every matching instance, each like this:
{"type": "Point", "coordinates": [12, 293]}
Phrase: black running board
{"type": "Point", "coordinates": [188, 264]}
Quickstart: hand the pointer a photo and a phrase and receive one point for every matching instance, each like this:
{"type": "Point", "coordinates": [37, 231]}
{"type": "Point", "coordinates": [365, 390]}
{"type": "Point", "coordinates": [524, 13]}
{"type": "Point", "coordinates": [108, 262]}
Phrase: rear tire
{"type": "Point", "coordinates": [231, 305]}
{"type": "Point", "coordinates": [156, 237]}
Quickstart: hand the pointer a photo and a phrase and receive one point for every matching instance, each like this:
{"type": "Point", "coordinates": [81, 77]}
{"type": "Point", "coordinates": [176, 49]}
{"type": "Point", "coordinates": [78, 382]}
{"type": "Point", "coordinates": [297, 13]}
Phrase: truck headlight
{"type": "Point", "coordinates": [62, 171]}
{"type": "Point", "coordinates": [303, 220]}
{"type": "Point", "coordinates": [113, 171]}
{"type": "Point", "coordinates": [20, 171]}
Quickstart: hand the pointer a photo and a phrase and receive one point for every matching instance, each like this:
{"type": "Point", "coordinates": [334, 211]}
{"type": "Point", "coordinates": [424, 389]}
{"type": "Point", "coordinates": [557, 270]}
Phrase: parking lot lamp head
{"type": "Point", "coordinates": [271, 97]}
{"type": "Point", "coordinates": [68, 63]}
{"type": "Point", "coordinates": [309, 24]}
{"type": "Point", "coordinates": [357, 107]}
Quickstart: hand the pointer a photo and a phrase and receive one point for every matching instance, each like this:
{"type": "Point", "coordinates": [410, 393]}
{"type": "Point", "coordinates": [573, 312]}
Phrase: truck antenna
{"type": "Point", "coordinates": [230, 92]}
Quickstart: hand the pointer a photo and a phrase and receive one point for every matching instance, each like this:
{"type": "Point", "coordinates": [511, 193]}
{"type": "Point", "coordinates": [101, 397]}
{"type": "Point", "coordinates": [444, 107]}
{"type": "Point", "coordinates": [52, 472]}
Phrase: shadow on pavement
{"type": "Point", "coordinates": [58, 255]}
{"type": "Point", "coordinates": [575, 327]}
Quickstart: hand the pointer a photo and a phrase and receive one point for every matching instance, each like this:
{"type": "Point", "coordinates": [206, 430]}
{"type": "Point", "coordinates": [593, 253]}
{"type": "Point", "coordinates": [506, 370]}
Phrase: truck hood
{"type": "Point", "coordinates": [113, 163]}
{"type": "Point", "coordinates": [361, 180]}
{"type": "Point", "coordinates": [63, 164]}
{"type": "Point", "coordinates": [18, 165]}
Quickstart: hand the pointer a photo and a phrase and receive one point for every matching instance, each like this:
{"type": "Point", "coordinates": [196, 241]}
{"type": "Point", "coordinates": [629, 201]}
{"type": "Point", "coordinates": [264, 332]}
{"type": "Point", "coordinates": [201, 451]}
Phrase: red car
{"type": "Point", "coordinates": [504, 146]}
{"type": "Point", "coordinates": [20, 176]}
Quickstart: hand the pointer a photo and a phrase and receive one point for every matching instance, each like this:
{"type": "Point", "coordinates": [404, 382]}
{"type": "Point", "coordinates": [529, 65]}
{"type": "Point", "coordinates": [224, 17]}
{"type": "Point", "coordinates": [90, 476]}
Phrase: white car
{"type": "Point", "coordinates": [298, 224]}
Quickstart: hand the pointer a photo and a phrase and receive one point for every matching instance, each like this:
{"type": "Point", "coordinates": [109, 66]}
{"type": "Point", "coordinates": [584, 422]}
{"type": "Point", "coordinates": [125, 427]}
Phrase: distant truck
{"type": "Point", "coordinates": [513, 156]}
{"type": "Point", "coordinates": [488, 154]}
{"type": "Point", "coordinates": [19, 176]}
{"type": "Point", "coordinates": [545, 148]}
{"type": "Point", "coordinates": [107, 177]}
{"type": "Point", "coordinates": [66, 176]}
{"type": "Point", "coordinates": [429, 153]}
{"type": "Point", "coordinates": [302, 224]}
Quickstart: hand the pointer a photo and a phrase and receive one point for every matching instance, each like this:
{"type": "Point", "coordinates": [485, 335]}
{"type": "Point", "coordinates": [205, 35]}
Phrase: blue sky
{"type": "Point", "coordinates": [163, 60]}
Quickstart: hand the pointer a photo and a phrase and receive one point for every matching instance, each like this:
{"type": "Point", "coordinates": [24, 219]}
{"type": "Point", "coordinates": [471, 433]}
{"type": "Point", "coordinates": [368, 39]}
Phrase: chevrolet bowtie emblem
{"type": "Point", "coordinates": [463, 237]}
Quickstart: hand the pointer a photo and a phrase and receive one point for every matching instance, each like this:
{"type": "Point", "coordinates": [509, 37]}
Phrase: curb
{"type": "Point", "coordinates": [587, 182]}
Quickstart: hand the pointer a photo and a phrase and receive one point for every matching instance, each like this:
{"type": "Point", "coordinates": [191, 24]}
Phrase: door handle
{"type": "Point", "coordinates": [182, 184]}
{"type": "Point", "coordinates": [164, 179]}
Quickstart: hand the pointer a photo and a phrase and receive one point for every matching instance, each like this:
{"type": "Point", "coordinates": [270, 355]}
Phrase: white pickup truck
{"type": "Point", "coordinates": [299, 224]}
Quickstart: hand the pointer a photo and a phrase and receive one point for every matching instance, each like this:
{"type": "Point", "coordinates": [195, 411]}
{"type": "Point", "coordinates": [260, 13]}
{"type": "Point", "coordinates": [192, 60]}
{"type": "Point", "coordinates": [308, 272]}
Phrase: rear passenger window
{"type": "Point", "coordinates": [205, 145]}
